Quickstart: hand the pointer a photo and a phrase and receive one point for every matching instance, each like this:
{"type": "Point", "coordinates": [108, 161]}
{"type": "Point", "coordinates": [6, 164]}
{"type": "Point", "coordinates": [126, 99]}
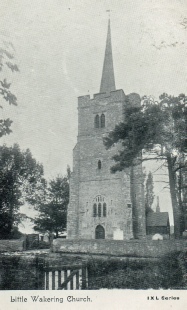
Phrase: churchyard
{"type": "Point", "coordinates": [46, 270]}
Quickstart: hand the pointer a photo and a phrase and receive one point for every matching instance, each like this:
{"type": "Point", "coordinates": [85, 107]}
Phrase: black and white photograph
{"type": "Point", "coordinates": [93, 154]}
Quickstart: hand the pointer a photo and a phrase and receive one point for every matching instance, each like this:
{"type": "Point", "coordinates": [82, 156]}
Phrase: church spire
{"type": "Point", "coordinates": [108, 80]}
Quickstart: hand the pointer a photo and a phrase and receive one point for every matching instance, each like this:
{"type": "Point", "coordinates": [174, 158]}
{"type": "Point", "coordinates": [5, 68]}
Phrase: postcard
{"type": "Point", "coordinates": [93, 154]}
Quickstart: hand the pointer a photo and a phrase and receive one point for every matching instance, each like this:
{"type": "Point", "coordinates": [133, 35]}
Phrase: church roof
{"type": "Point", "coordinates": [157, 219]}
{"type": "Point", "coordinates": [108, 80]}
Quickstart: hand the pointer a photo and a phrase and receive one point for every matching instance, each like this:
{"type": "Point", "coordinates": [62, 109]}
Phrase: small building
{"type": "Point", "coordinates": [158, 223]}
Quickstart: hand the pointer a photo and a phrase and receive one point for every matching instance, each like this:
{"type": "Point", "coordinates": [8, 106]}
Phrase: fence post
{"type": "Point", "coordinates": [83, 275]}
{"type": "Point", "coordinates": [40, 274]}
{"type": "Point", "coordinates": [47, 275]}
{"type": "Point", "coordinates": [51, 237]}
{"type": "Point", "coordinates": [24, 242]}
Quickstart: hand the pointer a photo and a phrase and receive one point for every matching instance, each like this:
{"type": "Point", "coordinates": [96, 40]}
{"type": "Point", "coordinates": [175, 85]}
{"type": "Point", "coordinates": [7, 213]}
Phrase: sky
{"type": "Point", "coordinates": [59, 48]}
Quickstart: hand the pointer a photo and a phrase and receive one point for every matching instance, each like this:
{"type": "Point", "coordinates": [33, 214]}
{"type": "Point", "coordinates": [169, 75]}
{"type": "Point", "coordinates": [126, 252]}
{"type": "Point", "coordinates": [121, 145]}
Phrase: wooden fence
{"type": "Point", "coordinates": [61, 277]}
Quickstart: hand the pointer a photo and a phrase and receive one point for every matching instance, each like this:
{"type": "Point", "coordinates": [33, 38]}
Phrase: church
{"type": "Point", "coordinates": [104, 205]}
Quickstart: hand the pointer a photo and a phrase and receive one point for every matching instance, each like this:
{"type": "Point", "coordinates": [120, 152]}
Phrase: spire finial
{"type": "Point", "coordinates": [108, 80]}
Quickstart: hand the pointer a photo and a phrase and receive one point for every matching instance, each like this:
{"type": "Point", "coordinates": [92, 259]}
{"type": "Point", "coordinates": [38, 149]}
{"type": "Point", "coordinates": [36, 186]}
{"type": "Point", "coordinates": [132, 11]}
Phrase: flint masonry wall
{"type": "Point", "coordinates": [122, 193]}
{"type": "Point", "coordinates": [87, 181]}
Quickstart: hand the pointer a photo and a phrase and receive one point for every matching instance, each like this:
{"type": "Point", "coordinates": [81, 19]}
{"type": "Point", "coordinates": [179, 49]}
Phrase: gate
{"type": "Point", "coordinates": [62, 277]}
{"type": "Point", "coordinates": [31, 241]}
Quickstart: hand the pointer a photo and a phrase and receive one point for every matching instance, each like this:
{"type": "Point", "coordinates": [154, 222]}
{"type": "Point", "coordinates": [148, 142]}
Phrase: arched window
{"type": "Point", "coordinates": [99, 164]}
{"type": "Point", "coordinates": [102, 120]}
{"type": "Point", "coordinates": [104, 209]}
{"type": "Point", "coordinates": [99, 209]}
{"type": "Point", "coordinates": [99, 206]}
{"type": "Point", "coordinates": [94, 210]}
{"type": "Point", "coordinates": [96, 121]}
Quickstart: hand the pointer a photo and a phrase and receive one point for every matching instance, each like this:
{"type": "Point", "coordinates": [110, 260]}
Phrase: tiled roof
{"type": "Point", "coordinates": [157, 219]}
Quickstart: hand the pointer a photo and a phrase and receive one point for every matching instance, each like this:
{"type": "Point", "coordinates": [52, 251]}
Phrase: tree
{"type": "Point", "coordinates": [149, 193]}
{"type": "Point", "coordinates": [20, 175]}
{"type": "Point", "coordinates": [52, 216]}
{"type": "Point", "coordinates": [159, 129]}
{"type": "Point", "coordinates": [6, 62]}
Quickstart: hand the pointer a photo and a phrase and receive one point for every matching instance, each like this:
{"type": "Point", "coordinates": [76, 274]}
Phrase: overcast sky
{"type": "Point", "coordinates": [60, 48]}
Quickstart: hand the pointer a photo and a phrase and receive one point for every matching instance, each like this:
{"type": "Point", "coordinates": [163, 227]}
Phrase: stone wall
{"type": "Point", "coordinates": [122, 192]}
{"type": "Point", "coordinates": [133, 248]}
{"type": "Point", "coordinates": [89, 182]}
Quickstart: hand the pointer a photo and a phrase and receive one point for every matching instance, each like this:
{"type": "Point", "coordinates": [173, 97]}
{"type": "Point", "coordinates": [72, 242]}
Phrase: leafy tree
{"type": "Point", "coordinates": [6, 62]}
{"type": "Point", "coordinates": [15, 233]}
{"type": "Point", "coordinates": [159, 129]}
{"type": "Point", "coordinates": [52, 216]}
{"type": "Point", "coordinates": [20, 175]}
{"type": "Point", "coordinates": [149, 193]}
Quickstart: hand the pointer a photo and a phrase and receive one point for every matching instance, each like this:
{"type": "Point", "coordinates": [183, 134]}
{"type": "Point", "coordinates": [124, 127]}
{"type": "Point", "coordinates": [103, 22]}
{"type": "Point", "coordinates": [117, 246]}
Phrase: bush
{"type": "Point", "coordinates": [43, 245]}
{"type": "Point", "coordinates": [166, 273]}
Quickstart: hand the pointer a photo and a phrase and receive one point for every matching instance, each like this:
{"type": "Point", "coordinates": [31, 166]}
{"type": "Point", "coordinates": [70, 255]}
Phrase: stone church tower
{"type": "Point", "coordinates": [103, 205]}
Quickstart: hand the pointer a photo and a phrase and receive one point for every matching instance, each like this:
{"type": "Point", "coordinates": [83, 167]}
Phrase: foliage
{"type": "Point", "coordinates": [167, 273]}
{"type": "Point", "coordinates": [149, 126]}
{"type": "Point", "coordinates": [6, 62]}
{"type": "Point", "coordinates": [53, 209]}
{"type": "Point", "coordinates": [15, 233]}
{"type": "Point", "coordinates": [20, 175]}
{"type": "Point", "coordinates": [19, 272]}
{"type": "Point", "coordinates": [158, 129]}
{"type": "Point", "coordinates": [149, 192]}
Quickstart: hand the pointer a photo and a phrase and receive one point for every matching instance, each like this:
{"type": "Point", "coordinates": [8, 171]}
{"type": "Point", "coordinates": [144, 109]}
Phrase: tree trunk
{"type": "Point", "coordinates": [177, 215]}
{"type": "Point", "coordinates": [180, 178]}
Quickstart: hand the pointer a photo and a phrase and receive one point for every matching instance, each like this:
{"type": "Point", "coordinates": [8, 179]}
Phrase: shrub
{"type": "Point", "coordinates": [166, 273]}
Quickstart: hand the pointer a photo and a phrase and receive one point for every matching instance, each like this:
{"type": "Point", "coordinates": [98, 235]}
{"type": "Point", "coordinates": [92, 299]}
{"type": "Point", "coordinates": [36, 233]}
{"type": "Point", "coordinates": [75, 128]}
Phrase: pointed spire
{"type": "Point", "coordinates": [108, 80]}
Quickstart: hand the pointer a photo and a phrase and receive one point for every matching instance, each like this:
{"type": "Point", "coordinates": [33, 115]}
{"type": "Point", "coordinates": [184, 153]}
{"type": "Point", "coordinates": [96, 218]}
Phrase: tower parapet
{"type": "Point", "coordinates": [116, 95]}
{"type": "Point", "coordinates": [113, 96]}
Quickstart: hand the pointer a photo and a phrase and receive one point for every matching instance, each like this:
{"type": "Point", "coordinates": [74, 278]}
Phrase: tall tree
{"type": "Point", "coordinates": [157, 128]}
{"type": "Point", "coordinates": [149, 192]}
{"type": "Point", "coordinates": [52, 215]}
{"type": "Point", "coordinates": [6, 62]}
{"type": "Point", "coordinates": [20, 175]}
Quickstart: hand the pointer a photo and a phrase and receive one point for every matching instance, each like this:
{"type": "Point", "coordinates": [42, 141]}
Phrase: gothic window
{"type": "Point", "coordinates": [99, 164]}
{"type": "Point", "coordinates": [94, 210]}
{"type": "Point", "coordinates": [104, 209]}
{"type": "Point", "coordinates": [102, 120]}
{"type": "Point", "coordinates": [99, 209]}
{"type": "Point", "coordinates": [97, 121]}
{"type": "Point", "coordinates": [99, 206]}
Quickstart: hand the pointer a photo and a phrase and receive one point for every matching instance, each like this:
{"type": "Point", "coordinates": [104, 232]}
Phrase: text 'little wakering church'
{"type": "Point", "coordinates": [104, 205]}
